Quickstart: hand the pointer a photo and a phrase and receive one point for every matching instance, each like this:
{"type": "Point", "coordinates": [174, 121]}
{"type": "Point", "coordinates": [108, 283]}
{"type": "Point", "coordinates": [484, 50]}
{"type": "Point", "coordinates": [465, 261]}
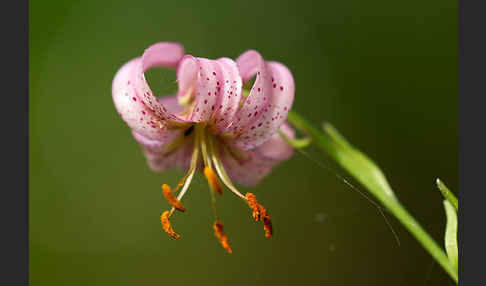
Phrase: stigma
{"type": "Point", "coordinates": [206, 158]}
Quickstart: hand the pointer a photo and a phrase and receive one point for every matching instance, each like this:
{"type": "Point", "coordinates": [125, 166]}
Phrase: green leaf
{"type": "Point", "coordinates": [448, 195]}
{"type": "Point", "coordinates": [450, 237]}
{"type": "Point", "coordinates": [367, 170]}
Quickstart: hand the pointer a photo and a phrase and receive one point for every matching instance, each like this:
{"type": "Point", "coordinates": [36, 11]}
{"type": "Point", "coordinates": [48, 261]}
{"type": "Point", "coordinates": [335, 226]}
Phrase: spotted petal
{"type": "Point", "coordinates": [229, 94]}
{"type": "Point", "coordinates": [132, 110]}
{"type": "Point", "coordinates": [251, 63]}
{"type": "Point", "coordinates": [273, 115]}
{"type": "Point", "coordinates": [160, 54]}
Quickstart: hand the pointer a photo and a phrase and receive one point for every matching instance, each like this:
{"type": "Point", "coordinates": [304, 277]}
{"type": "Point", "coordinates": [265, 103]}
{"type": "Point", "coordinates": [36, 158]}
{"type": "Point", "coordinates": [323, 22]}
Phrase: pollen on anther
{"type": "Point", "coordinates": [166, 226]}
{"type": "Point", "coordinates": [221, 236]}
{"type": "Point", "coordinates": [213, 180]}
{"type": "Point", "coordinates": [259, 213]}
{"type": "Point", "coordinates": [168, 194]}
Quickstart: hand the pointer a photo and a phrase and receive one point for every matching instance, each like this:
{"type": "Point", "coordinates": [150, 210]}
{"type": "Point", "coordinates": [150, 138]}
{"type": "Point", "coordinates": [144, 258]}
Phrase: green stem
{"type": "Point", "coordinates": [371, 177]}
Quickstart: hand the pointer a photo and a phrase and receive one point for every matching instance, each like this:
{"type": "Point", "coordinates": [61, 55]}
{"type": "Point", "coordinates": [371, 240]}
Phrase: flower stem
{"type": "Point", "coordinates": [370, 176]}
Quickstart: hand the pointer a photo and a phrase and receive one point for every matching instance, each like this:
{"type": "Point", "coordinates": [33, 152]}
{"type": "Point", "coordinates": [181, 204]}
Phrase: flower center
{"type": "Point", "coordinates": [207, 145]}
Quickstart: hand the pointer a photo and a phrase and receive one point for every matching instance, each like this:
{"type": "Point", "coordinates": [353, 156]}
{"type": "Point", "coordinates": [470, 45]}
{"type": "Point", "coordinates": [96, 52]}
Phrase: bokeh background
{"type": "Point", "coordinates": [383, 72]}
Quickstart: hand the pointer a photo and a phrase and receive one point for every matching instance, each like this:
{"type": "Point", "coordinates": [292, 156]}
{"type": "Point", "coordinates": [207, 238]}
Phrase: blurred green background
{"type": "Point", "coordinates": [383, 72]}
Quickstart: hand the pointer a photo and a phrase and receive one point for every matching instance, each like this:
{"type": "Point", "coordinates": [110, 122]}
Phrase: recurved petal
{"type": "Point", "coordinates": [248, 64]}
{"type": "Point", "coordinates": [208, 77]}
{"type": "Point", "coordinates": [259, 161]}
{"type": "Point", "coordinates": [131, 109]}
{"type": "Point", "coordinates": [199, 79]}
{"type": "Point", "coordinates": [228, 92]}
{"type": "Point", "coordinates": [273, 115]}
{"type": "Point", "coordinates": [259, 95]}
{"type": "Point", "coordinates": [186, 78]}
{"type": "Point", "coordinates": [160, 54]}
{"type": "Point", "coordinates": [215, 87]}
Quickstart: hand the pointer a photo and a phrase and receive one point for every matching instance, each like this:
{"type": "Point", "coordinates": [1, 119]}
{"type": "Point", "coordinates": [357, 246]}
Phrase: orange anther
{"type": "Point", "coordinates": [267, 225]}
{"type": "Point", "coordinates": [223, 239]}
{"type": "Point", "coordinates": [213, 180]}
{"type": "Point", "coordinates": [164, 219]}
{"type": "Point", "coordinates": [167, 192]}
{"type": "Point", "coordinates": [260, 214]}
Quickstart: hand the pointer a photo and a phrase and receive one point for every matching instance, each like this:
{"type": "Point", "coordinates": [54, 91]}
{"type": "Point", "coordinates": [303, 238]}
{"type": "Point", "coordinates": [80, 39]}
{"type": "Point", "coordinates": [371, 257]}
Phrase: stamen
{"type": "Point", "coordinates": [260, 214]}
{"type": "Point", "coordinates": [223, 239]}
{"type": "Point", "coordinates": [167, 192]}
{"type": "Point", "coordinates": [188, 179]}
{"type": "Point", "coordinates": [166, 226]}
{"type": "Point", "coordinates": [213, 180]}
{"type": "Point", "coordinates": [218, 165]}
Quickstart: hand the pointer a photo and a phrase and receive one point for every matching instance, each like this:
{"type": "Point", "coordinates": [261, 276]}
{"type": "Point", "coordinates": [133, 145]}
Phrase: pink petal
{"type": "Point", "coordinates": [248, 172]}
{"type": "Point", "coordinates": [131, 109]}
{"type": "Point", "coordinates": [186, 77]}
{"type": "Point", "coordinates": [274, 114]}
{"type": "Point", "coordinates": [260, 160]}
{"type": "Point", "coordinates": [199, 77]}
{"type": "Point", "coordinates": [275, 147]}
{"type": "Point", "coordinates": [160, 54]}
{"type": "Point", "coordinates": [248, 64]}
{"type": "Point", "coordinates": [216, 86]}
{"type": "Point", "coordinates": [206, 89]}
{"type": "Point", "coordinates": [157, 160]}
{"type": "Point", "coordinates": [229, 94]}
{"type": "Point", "coordinates": [171, 104]}
{"type": "Point", "coordinates": [180, 159]}
{"type": "Point", "coordinates": [260, 92]}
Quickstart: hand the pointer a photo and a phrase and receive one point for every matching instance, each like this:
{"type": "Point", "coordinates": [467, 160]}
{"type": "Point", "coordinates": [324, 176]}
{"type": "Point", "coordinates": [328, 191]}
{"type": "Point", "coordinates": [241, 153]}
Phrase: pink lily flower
{"type": "Point", "coordinates": [212, 124]}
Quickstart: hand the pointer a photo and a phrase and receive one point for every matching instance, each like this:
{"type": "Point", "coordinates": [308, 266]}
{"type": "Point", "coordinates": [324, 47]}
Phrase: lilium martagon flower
{"type": "Point", "coordinates": [211, 125]}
